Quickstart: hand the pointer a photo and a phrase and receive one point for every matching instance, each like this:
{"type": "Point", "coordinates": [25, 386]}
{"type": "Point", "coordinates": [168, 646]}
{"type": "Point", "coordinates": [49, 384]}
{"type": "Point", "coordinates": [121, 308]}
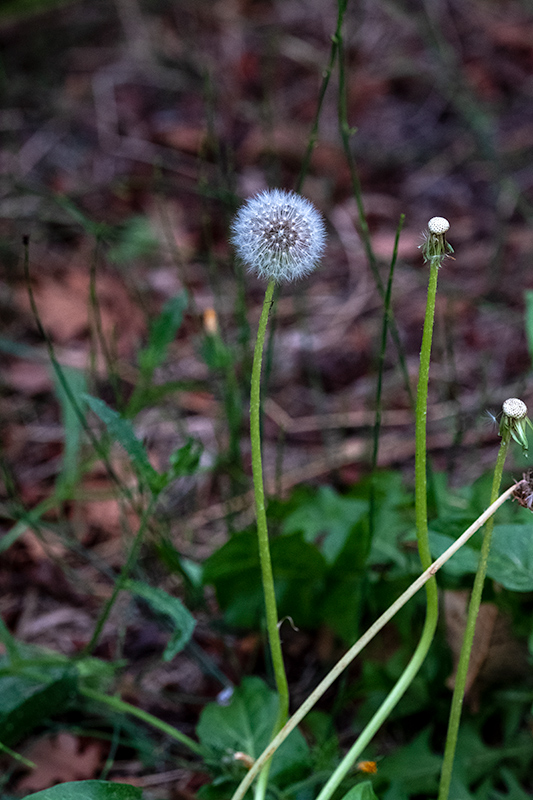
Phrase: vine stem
{"type": "Point", "coordinates": [262, 528]}
{"type": "Point", "coordinates": [468, 638]}
{"type": "Point", "coordinates": [361, 643]}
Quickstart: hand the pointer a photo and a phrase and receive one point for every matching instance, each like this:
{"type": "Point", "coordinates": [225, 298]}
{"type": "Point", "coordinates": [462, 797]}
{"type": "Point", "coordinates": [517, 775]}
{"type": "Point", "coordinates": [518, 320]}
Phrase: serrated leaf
{"type": "Point", "coordinates": [122, 430]}
{"type": "Point", "coordinates": [88, 790]}
{"type": "Point", "coordinates": [330, 515]}
{"type": "Point", "coordinates": [246, 725]}
{"type": "Point", "coordinates": [182, 620]}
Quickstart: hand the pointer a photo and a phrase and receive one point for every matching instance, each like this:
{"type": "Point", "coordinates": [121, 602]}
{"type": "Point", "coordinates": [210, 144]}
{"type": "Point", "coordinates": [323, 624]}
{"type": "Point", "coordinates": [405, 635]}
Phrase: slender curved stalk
{"type": "Point", "coordinates": [468, 638]}
{"type": "Point", "coordinates": [262, 529]}
{"type": "Point", "coordinates": [432, 606]}
{"type": "Point", "coordinates": [361, 643]}
{"type": "Point", "coordinates": [126, 708]}
{"type": "Point", "coordinates": [121, 580]}
{"type": "Point", "coordinates": [364, 231]}
{"type": "Point", "coordinates": [326, 75]}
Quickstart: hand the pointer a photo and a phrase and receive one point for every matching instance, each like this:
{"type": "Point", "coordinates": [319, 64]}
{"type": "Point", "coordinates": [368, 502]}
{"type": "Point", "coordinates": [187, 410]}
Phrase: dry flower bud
{"type": "Point", "coordinates": [514, 420]}
{"type": "Point", "coordinates": [515, 408]}
{"type": "Point", "coordinates": [438, 225]}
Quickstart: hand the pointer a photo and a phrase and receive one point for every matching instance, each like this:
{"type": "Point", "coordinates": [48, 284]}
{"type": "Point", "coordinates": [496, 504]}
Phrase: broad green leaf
{"type": "Point", "coordinates": [330, 515]}
{"type": "Point", "coordinates": [122, 430]}
{"type": "Point", "coordinates": [182, 620]}
{"type": "Point", "coordinates": [299, 571]}
{"type": "Point", "coordinates": [363, 791]}
{"type": "Point", "coordinates": [463, 562]}
{"type": "Point", "coordinates": [414, 766]}
{"type": "Point", "coordinates": [162, 332]}
{"type": "Point", "coordinates": [89, 790]}
{"type": "Point", "coordinates": [246, 724]}
{"type": "Point", "coordinates": [28, 697]}
{"type": "Point", "coordinates": [510, 558]}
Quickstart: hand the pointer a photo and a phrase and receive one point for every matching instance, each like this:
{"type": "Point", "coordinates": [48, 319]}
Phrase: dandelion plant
{"type": "Point", "coordinates": [280, 236]}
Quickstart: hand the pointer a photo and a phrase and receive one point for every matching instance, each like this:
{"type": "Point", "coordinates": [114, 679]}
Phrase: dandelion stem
{"type": "Point", "coordinates": [432, 606]}
{"type": "Point", "coordinates": [468, 638]}
{"type": "Point", "coordinates": [262, 529]}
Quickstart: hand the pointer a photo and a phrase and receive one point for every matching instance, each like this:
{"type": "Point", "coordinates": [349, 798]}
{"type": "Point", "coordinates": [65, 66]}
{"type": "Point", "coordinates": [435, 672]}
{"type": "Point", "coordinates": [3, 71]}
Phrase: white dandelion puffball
{"type": "Point", "coordinates": [514, 408]}
{"type": "Point", "coordinates": [438, 225]}
{"type": "Point", "coordinates": [279, 235]}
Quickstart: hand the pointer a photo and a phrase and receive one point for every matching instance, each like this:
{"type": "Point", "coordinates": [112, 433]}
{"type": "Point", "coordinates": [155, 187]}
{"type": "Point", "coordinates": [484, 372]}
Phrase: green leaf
{"type": "Point", "coordinates": [414, 766]}
{"type": "Point", "coordinates": [122, 430]}
{"type": "Point", "coordinates": [246, 724]}
{"type": "Point", "coordinates": [510, 558]}
{"type": "Point", "coordinates": [133, 240]}
{"type": "Point", "coordinates": [299, 571]}
{"type": "Point", "coordinates": [89, 790]}
{"type": "Point", "coordinates": [363, 791]}
{"type": "Point", "coordinates": [185, 460]}
{"type": "Point", "coordinates": [163, 603]}
{"type": "Point", "coordinates": [463, 562]}
{"type": "Point", "coordinates": [76, 388]}
{"type": "Point", "coordinates": [30, 696]}
{"type": "Point", "coordinates": [327, 514]}
{"type": "Point", "coordinates": [162, 332]}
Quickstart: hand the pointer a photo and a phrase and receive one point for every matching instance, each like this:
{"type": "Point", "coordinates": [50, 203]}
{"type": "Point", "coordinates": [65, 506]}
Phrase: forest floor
{"type": "Point", "coordinates": [131, 134]}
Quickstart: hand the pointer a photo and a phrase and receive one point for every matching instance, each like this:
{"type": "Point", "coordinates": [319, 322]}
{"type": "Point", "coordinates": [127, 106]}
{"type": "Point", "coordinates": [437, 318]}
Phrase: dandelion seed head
{"type": "Point", "coordinates": [514, 408]}
{"type": "Point", "coordinates": [438, 225]}
{"type": "Point", "coordinates": [279, 235]}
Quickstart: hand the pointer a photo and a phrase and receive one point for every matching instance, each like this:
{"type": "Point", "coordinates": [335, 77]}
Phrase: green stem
{"type": "Point", "coordinates": [361, 643]}
{"type": "Point", "coordinates": [468, 638]}
{"type": "Point", "coordinates": [121, 580]}
{"type": "Point", "coordinates": [420, 428]}
{"type": "Point", "coordinates": [126, 708]}
{"type": "Point", "coordinates": [326, 75]}
{"type": "Point", "coordinates": [262, 529]}
{"type": "Point", "coordinates": [432, 606]}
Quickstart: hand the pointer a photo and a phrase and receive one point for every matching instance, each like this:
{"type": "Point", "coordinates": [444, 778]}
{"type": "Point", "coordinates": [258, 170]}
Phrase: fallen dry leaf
{"type": "Point", "coordinates": [60, 759]}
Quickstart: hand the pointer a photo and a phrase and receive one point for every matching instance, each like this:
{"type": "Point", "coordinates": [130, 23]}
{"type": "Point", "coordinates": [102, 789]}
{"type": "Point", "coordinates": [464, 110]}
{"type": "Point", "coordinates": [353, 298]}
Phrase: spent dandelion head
{"type": "Point", "coordinates": [435, 248]}
{"type": "Point", "coordinates": [279, 235]}
{"type": "Point", "coordinates": [514, 420]}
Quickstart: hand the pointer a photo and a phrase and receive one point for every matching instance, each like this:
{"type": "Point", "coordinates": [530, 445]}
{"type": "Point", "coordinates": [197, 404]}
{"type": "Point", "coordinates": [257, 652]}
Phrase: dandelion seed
{"type": "Point", "coordinates": [279, 235]}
